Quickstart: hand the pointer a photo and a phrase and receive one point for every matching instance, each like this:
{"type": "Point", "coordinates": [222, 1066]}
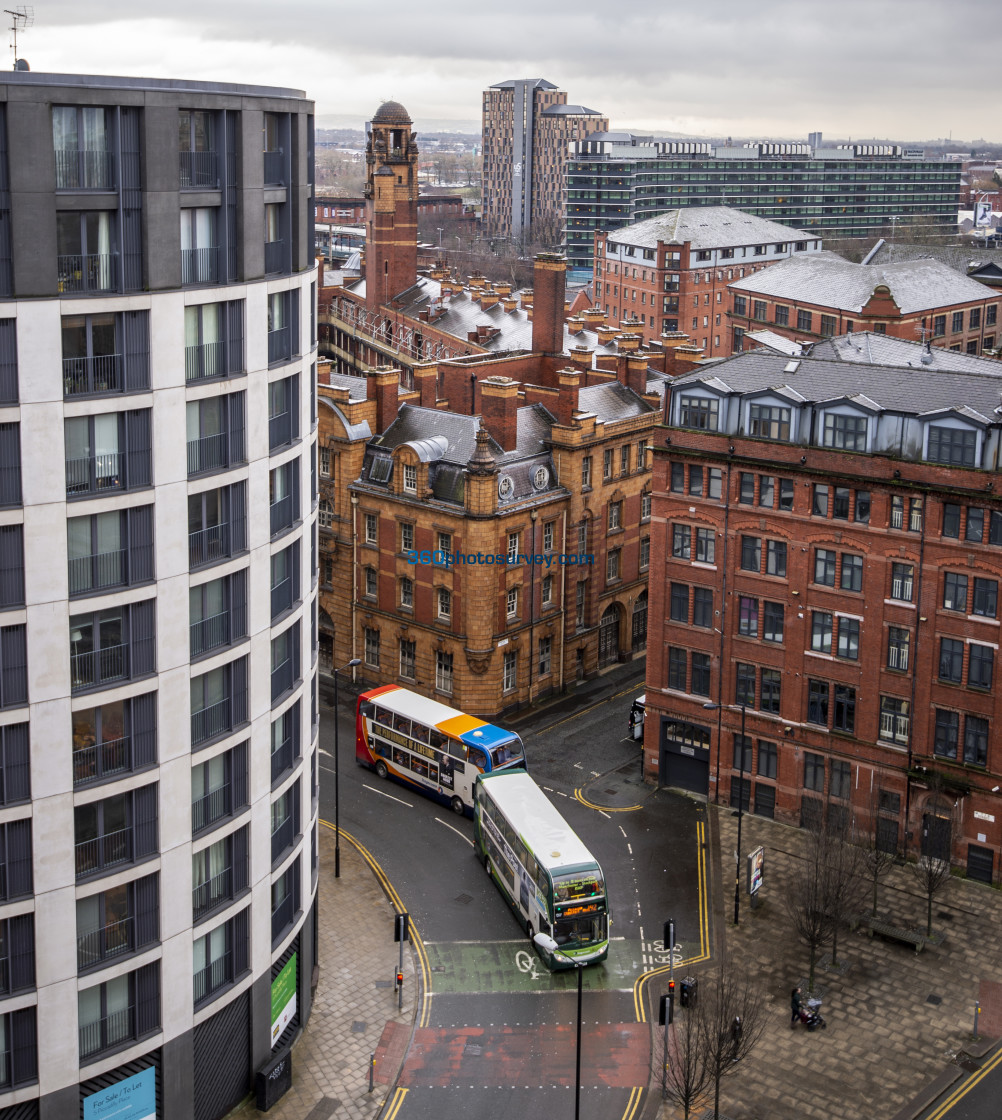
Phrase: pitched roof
{"type": "Point", "coordinates": [885, 350]}
{"type": "Point", "coordinates": [828, 280]}
{"type": "Point", "coordinates": [706, 227]}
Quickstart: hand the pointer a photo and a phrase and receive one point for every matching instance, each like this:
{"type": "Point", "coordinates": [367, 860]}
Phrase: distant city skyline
{"type": "Point", "coordinates": [904, 69]}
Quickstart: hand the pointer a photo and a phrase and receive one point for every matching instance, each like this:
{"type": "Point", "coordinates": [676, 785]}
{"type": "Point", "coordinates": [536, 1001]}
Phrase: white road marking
{"type": "Point", "coordinates": [606, 815]}
{"type": "Point", "coordinates": [372, 789]}
{"type": "Point", "coordinates": [325, 753]}
{"type": "Point", "coordinates": [595, 774]}
{"type": "Point", "coordinates": [578, 766]}
{"type": "Point", "coordinates": [455, 830]}
{"type": "Point", "coordinates": [623, 831]}
{"type": "Point", "coordinates": [629, 848]}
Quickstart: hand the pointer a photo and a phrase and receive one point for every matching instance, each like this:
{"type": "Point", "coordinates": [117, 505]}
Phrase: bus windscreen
{"type": "Point", "coordinates": [569, 888]}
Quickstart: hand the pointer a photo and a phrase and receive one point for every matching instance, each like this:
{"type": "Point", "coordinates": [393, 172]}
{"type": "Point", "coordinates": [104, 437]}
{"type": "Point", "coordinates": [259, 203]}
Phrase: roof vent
{"type": "Point", "coordinates": [926, 358]}
{"type": "Point", "coordinates": [791, 367]}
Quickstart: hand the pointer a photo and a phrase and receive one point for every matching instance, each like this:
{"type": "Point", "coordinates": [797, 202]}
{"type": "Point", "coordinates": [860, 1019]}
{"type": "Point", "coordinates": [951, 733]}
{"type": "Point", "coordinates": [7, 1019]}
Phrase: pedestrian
{"type": "Point", "coordinates": [736, 1039]}
{"type": "Point", "coordinates": [794, 1007]}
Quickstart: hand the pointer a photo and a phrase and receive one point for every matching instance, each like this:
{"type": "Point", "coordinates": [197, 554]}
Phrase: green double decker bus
{"type": "Point", "coordinates": [550, 879]}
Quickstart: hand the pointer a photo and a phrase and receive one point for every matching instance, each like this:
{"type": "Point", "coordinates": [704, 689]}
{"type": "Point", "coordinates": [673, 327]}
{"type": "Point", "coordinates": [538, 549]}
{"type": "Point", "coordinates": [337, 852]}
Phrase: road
{"type": "Point", "coordinates": [976, 1097]}
{"type": "Point", "coordinates": [498, 1024]}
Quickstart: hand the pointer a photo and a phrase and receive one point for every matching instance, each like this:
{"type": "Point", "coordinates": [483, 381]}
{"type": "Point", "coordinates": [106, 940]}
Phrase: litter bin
{"type": "Point", "coordinates": [273, 1080]}
{"type": "Point", "coordinates": [687, 992]}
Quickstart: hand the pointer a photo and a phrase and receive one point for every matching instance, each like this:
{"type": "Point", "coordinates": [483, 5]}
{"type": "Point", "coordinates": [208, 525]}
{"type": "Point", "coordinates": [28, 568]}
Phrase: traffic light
{"type": "Point", "coordinates": [670, 999]}
{"type": "Point", "coordinates": [400, 979]}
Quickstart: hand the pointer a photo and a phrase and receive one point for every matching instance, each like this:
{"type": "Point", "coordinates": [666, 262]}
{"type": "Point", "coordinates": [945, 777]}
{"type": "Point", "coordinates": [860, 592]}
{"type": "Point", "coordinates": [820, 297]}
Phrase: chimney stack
{"type": "Point", "coordinates": [499, 410]}
{"type": "Point", "coordinates": [569, 382]}
{"type": "Point", "coordinates": [549, 280]}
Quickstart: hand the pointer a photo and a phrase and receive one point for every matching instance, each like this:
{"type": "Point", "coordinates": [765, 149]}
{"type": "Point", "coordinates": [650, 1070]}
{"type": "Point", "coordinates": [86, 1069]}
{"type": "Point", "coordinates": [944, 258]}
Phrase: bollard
{"type": "Point", "coordinates": [372, 1069]}
{"type": "Point", "coordinates": [977, 1016]}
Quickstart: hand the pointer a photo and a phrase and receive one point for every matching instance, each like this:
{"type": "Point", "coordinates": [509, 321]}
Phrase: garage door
{"type": "Point", "coordinates": [681, 771]}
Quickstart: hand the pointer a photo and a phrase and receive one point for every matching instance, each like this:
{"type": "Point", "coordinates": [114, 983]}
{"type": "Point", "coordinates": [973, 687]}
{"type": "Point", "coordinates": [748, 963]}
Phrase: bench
{"type": "Point", "coordinates": [896, 933]}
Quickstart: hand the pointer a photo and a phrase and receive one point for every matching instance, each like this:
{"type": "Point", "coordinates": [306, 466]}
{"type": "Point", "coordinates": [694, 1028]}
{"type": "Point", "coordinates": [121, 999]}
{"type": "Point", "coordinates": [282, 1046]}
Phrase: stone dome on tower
{"type": "Point", "coordinates": [391, 112]}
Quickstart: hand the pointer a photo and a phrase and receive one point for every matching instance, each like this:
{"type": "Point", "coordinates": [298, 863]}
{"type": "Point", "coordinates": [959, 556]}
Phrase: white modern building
{"type": "Point", "coordinates": [158, 703]}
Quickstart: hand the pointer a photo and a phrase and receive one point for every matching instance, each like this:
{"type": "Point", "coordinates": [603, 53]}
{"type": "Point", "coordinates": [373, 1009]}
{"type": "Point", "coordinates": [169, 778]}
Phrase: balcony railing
{"type": "Point", "coordinates": [279, 345]}
{"type": "Point", "coordinates": [281, 514]}
{"type": "Point", "coordinates": [281, 597]}
{"type": "Point", "coordinates": [10, 485]}
{"type": "Point", "coordinates": [92, 473]}
{"type": "Point", "coordinates": [95, 855]}
{"type": "Point", "coordinates": [209, 633]}
{"type": "Point", "coordinates": [98, 571]}
{"type": "Point", "coordinates": [198, 170]}
{"type": "Point", "coordinates": [98, 373]}
{"type": "Point", "coordinates": [208, 453]}
{"type": "Point", "coordinates": [212, 807]}
{"type": "Point", "coordinates": [209, 722]}
{"type": "Point", "coordinates": [210, 894]}
{"type": "Point", "coordinates": [282, 837]}
{"type": "Point", "coordinates": [81, 170]}
{"type": "Point", "coordinates": [107, 1032]}
{"type": "Point", "coordinates": [200, 266]}
{"type": "Point", "coordinates": [87, 272]}
{"type": "Point", "coordinates": [99, 945]}
{"type": "Point", "coordinates": [281, 678]}
{"type": "Point", "coordinates": [99, 666]}
{"type": "Point", "coordinates": [274, 256]}
{"type": "Point", "coordinates": [102, 760]}
{"type": "Point", "coordinates": [208, 545]}
{"type": "Point", "coordinates": [214, 976]}
{"type": "Point", "coordinates": [281, 916]}
{"type": "Point", "coordinates": [283, 757]}
{"type": "Point", "coordinates": [279, 430]}
{"type": "Point", "coordinates": [207, 360]}
{"type": "Point", "coordinates": [274, 168]}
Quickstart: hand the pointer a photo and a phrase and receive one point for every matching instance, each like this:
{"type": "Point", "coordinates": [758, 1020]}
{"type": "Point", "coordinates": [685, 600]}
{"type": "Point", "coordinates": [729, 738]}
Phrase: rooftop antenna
{"type": "Point", "coordinates": [23, 17]}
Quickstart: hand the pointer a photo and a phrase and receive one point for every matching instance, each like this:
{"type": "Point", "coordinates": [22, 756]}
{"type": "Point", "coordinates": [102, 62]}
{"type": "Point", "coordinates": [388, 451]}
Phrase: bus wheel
{"type": "Point", "coordinates": [487, 864]}
{"type": "Point", "coordinates": [381, 769]}
{"type": "Point", "coordinates": [529, 930]}
{"type": "Point", "coordinates": [458, 807]}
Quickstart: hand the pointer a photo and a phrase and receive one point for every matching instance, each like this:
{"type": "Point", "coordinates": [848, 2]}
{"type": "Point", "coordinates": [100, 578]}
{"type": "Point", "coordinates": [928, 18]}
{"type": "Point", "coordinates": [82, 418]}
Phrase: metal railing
{"type": "Point", "coordinates": [282, 515]}
{"type": "Point", "coordinates": [97, 571]}
{"type": "Point", "coordinates": [208, 453]}
{"type": "Point", "coordinates": [96, 373]}
{"type": "Point", "coordinates": [102, 760]}
{"type": "Point", "coordinates": [103, 851]}
{"type": "Point", "coordinates": [214, 976]}
{"type": "Point", "coordinates": [274, 256]}
{"type": "Point", "coordinates": [80, 169]}
{"type": "Point", "coordinates": [198, 170]}
{"type": "Point", "coordinates": [86, 272]}
{"type": "Point", "coordinates": [282, 915]}
{"type": "Point", "coordinates": [104, 471]}
{"type": "Point", "coordinates": [206, 360]}
{"type": "Point", "coordinates": [281, 596]}
{"type": "Point", "coordinates": [279, 345]}
{"type": "Point", "coordinates": [279, 430]}
{"type": "Point", "coordinates": [107, 1032]}
{"type": "Point", "coordinates": [281, 678]}
{"type": "Point", "coordinates": [200, 266]}
{"type": "Point", "coordinates": [209, 722]}
{"type": "Point", "coordinates": [208, 545]}
{"type": "Point", "coordinates": [283, 757]}
{"type": "Point", "coordinates": [208, 895]}
{"type": "Point", "coordinates": [209, 633]}
{"type": "Point", "coordinates": [99, 666]}
{"type": "Point", "coordinates": [282, 837]}
{"type": "Point", "coordinates": [101, 944]}
{"type": "Point", "coordinates": [274, 167]}
{"type": "Point", "coordinates": [210, 808]}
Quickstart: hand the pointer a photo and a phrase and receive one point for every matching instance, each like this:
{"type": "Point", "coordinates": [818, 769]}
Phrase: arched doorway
{"type": "Point", "coordinates": [608, 635]}
{"type": "Point", "coordinates": [639, 642]}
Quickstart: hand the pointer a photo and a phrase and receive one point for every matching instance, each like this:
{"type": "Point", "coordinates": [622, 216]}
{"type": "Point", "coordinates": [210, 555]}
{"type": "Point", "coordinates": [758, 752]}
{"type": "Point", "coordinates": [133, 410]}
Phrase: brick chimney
{"type": "Point", "coordinates": [635, 373]}
{"type": "Point", "coordinates": [383, 386]}
{"type": "Point", "coordinates": [549, 280]}
{"type": "Point", "coordinates": [499, 410]}
{"type": "Point", "coordinates": [569, 382]}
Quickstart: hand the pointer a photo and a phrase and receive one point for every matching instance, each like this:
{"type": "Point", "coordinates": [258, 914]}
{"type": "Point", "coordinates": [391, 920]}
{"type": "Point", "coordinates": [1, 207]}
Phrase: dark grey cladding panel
{"type": "Point", "coordinates": [612, 401]}
{"type": "Point", "coordinates": [522, 475]}
{"type": "Point", "coordinates": [447, 482]}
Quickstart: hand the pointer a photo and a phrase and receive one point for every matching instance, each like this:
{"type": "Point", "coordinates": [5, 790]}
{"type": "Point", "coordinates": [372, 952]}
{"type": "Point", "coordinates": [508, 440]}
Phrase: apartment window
{"type": "Point", "coordinates": [985, 600]}
{"type": "Point", "coordinates": [951, 520]}
{"type": "Point", "coordinates": [976, 740]}
{"type": "Point", "coordinates": [372, 648]}
{"type": "Point", "coordinates": [759, 310]}
{"type": "Point", "coordinates": [114, 645]}
{"type": "Point", "coordinates": [444, 603]}
{"type": "Point", "coordinates": [746, 488]}
{"type": "Point", "coordinates": [980, 666]}
{"type": "Point", "coordinates": [215, 433]}
{"type": "Point", "coordinates": [898, 646]}
{"type": "Point", "coordinates": [545, 651]}
{"type": "Point", "coordinates": [744, 690]}
{"type": "Point", "coordinates": [219, 958]}
{"type": "Point", "coordinates": [642, 455]}
{"type": "Point", "coordinates": [406, 593]}
{"type": "Point", "coordinates": [285, 822]}
{"type": "Point", "coordinates": [699, 412]}
{"type": "Point", "coordinates": [829, 326]}
{"type": "Point", "coordinates": [819, 500]}
{"type": "Point", "coordinates": [213, 340]}
{"type": "Point", "coordinates": [549, 527]}
{"type": "Point", "coordinates": [15, 770]}
{"type": "Point", "coordinates": [894, 719]}
{"type": "Point", "coordinates": [975, 528]}
{"type": "Point", "coordinates": [612, 565]}
{"type": "Point", "coordinates": [218, 788]}
{"type": "Point", "coordinates": [902, 579]}
{"type": "Point", "coordinates": [105, 550]}
{"type": "Point", "coordinates": [679, 602]}
{"type": "Point", "coordinates": [814, 772]}
{"type": "Point", "coordinates": [847, 433]}
{"type": "Point", "coordinates": [107, 452]}
{"type": "Point", "coordinates": [410, 478]}
{"type": "Point", "coordinates": [769, 690]}
{"type": "Point", "coordinates": [285, 740]}
{"type": "Point", "coordinates": [218, 702]}
{"type": "Point", "coordinates": [914, 515]}
{"type": "Point", "coordinates": [817, 702]}
{"type": "Point", "coordinates": [740, 305]}
{"type": "Point", "coordinates": [512, 554]}
{"type": "Point", "coordinates": [443, 672]}
{"type": "Point", "coordinates": [118, 1012]}
{"type": "Point", "coordinates": [117, 921]}
{"type": "Point", "coordinates": [748, 616]}
{"type": "Point", "coordinates": [86, 251]}
{"type": "Point", "coordinates": [406, 536]}
{"type": "Point", "coordinates": [772, 622]}
{"type": "Point", "coordinates": [681, 542]}
{"type": "Point", "coordinates": [766, 491]}
{"type": "Point", "coordinates": [624, 459]}
{"type": "Point", "coordinates": [645, 553]}
{"type": "Point", "coordinates": [742, 758]}
{"type": "Point", "coordinates": [696, 481]}
{"type": "Point", "coordinates": [217, 613]}
{"type": "Point", "coordinates": [825, 561]}
{"type": "Point", "coordinates": [607, 464]}
{"type": "Point", "coordinates": [371, 583]}
{"type": "Point", "coordinates": [862, 512]}
{"type": "Point", "coordinates": [700, 684]}
{"type": "Point", "coordinates": [852, 572]}
{"type": "Point", "coordinates": [841, 503]}
{"type": "Point", "coordinates": [848, 638]}
{"type": "Point", "coordinates": [116, 831]}
{"type": "Point", "coordinates": [821, 631]}
{"type": "Point", "coordinates": [615, 516]}
{"type": "Point", "coordinates": [586, 472]}
{"type": "Point", "coordinates": [782, 316]}
{"type": "Point", "coordinates": [510, 672]}
{"type": "Point", "coordinates": [84, 148]}
{"type": "Point", "coordinates": [284, 901]}
{"type": "Point", "coordinates": [283, 497]}
{"type": "Point", "coordinates": [751, 554]}
{"type": "Point", "coordinates": [579, 604]}
{"type": "Point", "coordinates": [107, 353]}
{"type": "Point", "coordinates": [511, 602]}
{"type": "Point", "coordinates": [805, 321]}
{"type": "Point", "coordinates": [199, 246]}
{"type": "Point", "coordinates": [841, 783]}
{"type": "Point", "coordinates": [953, 446]}
{"type": "Point", "coordinates": [677, 481]}
{"type": "Point", "coordinates": [408, 659]}
{"type": "Point", "coordinates": [283, 326]}
{"type": "Point", "coordinates": [283, 412]}
{"type": "Point", "coordinates": [766, 759]}
{"type": "Point", "coordinates": [775, 558]}
{"type": "Point", "coordinates": [702, 606]}
{"type": "Point", "coordinates": [951, 660]}
{"type": "Point", "coordinates": [946, 734]}
{"type": "Point", "coordinates": [768, 421]}
{"type": "Point", "coordinates": [285, 667]}
{"type": "Point", "coordinates": [706, 542]}
{"type": "Point", "coordinates": [954, 592]}
{"type": "Point", "coordinates": [715, 484]}
{"type": "Point", "coordinates": [371, 529]}
{"type": "Point", "coordinates": [938, 326]}
{"type": "Point", "coordinates": [197, 150]}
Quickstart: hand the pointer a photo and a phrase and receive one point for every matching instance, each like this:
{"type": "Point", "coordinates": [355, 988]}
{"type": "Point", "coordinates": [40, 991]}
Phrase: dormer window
{"type": "Point", "coordinates": [410, 479]}
{"type": "Point", "coordinates": [768, 421]}
{"type": "Point", "coordinates": [955, 447]}
{"type": "Point", "coordinates": [699, 412]}
{"type": "Point", "coordinates": [847, 433]}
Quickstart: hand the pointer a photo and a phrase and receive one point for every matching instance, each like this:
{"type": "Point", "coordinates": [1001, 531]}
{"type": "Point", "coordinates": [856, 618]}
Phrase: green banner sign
{"type": "Point", "coordinates": [283, 998]}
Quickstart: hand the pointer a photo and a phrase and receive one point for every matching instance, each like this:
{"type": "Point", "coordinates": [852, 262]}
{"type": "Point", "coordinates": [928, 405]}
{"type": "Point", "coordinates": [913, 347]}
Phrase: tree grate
{"type": "Point", "coordinates": [934, 999]}
{"type": "Point", "coordinates": [358, 1027]}
{"type": "Point", "coordinates": [463, 899]}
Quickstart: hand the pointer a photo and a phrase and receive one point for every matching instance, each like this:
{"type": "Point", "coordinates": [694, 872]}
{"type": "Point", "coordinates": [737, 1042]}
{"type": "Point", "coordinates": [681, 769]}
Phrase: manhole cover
{"type": "Point", "coordinates": [611, 791]}
{"type": "Point", "coordinates": [357, 1027]}
{"type": "Point", "coordinates": [967, 1065]}
{"type": "Point", "coordinates": [944, 915]}
{"type": "Point", "coordinates": [473, 1050]}
{"type": "Point", "coordinates": [384, 983]}
{"type": "Point", "coordinates": [465, 899]}
{"type": "Point", "coordinates": [933, 999]}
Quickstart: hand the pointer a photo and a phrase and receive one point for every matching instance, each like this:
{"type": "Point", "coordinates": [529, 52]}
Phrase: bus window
{"type": "Point", "coordinates": [507, 751]}
{"type": "Point", "coordinates": [419, 766]}
{"type": "Point", "coordinates": [478, 758]}
{"type": "Point", "coordinates": [457, 749]}
{"type": "Point", "coordinates": [433, 772]}
{"type": "Point", "coordinates": [366, 708]}
{"type": "Point", "coordinates": [436, 739]}
{"type": "Point", "coordinates": [401, 724]}
{"type": "Point", "coordinates": [566, 888]}
{"type": "Point", "coordinates": [399, 756]}
{"type": "Point", "coordinates": [420, 732]}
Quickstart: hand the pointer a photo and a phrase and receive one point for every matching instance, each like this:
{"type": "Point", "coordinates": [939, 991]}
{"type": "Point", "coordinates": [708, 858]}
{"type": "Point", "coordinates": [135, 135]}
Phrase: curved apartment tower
{"type": "Point", "coordinates": [158, 705]}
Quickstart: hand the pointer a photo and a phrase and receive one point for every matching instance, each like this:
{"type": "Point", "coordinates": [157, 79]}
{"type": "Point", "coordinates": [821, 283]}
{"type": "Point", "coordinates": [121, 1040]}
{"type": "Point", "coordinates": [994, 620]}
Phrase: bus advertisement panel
{"type": "Point", "coordinates": [550, 879]}
{"type": "Point", "coordinates": [430, 746]}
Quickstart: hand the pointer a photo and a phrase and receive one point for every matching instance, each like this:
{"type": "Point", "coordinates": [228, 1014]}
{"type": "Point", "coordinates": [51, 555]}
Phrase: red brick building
{"type": "Point", "coordinates": [671, 273]}
{"type": "Point", "coordinates": [823, 295]}
{"type": "Point", "coordinates": [826, 552]}
{"type": "Point", "coordinates": [351, 211]}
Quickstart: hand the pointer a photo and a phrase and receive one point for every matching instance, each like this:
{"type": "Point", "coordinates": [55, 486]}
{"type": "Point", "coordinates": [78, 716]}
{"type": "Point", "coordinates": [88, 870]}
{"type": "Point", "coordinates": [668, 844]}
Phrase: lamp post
{"type": "Point", "coordinates": [439, 228]}
{"type": "Point", "coordinates": [337, 758]}
{"type": "Point", "coordinates": [741, 798]}
{"type": "Point", "coordinates": [547, 943]}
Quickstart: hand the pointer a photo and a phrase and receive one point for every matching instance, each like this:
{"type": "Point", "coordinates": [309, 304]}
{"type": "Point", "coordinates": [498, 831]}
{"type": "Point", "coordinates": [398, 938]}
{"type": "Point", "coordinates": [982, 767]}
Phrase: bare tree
{"type": "Point", "coordinates": [878, 854]}
{"type": "Point", "coordinates": [686, 1076]}
{"type": "Point", "coordinates": [933, 867]}
{"type": "Point", "coordinates": [731, 1021]}
{"type": "Point", "coordinates": [844, 866]}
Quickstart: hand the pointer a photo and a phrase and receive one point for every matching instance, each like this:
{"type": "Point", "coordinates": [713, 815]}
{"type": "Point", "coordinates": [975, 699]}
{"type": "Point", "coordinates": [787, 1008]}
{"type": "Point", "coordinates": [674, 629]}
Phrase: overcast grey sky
{"type": "Point", "coordinates": [911, 69]}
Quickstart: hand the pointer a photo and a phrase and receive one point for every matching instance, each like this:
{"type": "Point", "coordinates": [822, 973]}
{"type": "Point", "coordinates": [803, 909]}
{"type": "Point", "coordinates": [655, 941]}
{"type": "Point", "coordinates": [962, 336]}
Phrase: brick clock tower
{"type": "Point", "coordinates": [391, 190]}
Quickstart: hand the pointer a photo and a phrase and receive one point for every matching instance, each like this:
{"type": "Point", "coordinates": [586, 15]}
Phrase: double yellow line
{"type": "Point", "coordinates": [579, 796]}
{"type": "Point", "coordinates": [395, 1102]}
{"type": "Point", "coordinates": [965, 1088]}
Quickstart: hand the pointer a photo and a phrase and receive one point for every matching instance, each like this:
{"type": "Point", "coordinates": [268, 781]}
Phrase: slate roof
{"type": "Point", "coordinates": [706, 227]}
{"type": "Point", "coordinates": [510, 83]}
{"type": "Point", "coordinates": [612, 401]}
{"type": "Point", "coordinates": [884, 350]}
{"type": "Point", "coordinates": [828, 280]}
{"type": "Point", "coordinates": [775, 342]}
{"type": "Point", "coordinates": [906, 390]}
{"type": "Point", "coordinates": [569, 111]}
{"type": "Point", "coordinates": [414, 423]}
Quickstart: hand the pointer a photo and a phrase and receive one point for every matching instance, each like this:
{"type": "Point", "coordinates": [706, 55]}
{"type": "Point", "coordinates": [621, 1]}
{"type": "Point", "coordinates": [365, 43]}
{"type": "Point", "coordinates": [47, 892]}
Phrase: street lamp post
{"type": "Point", "coordinates": [337, 759]}
{"type": "Point", "coordinates": [547, 943]}
{"type": "Point", "coordinates": [439, 228]}
{"type": "Point", "coordinates": [741, 799]}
